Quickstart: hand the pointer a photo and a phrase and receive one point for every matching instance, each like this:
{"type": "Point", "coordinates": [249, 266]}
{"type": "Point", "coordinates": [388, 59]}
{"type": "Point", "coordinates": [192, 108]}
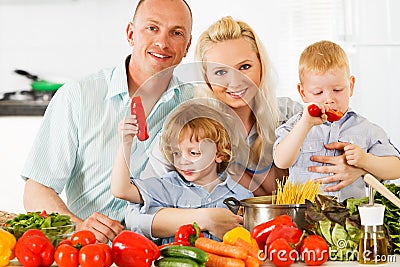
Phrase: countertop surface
{"type": "Point", "coordinates": [395, 261]}
{"type": "Point", "coordinates": [22, 108]}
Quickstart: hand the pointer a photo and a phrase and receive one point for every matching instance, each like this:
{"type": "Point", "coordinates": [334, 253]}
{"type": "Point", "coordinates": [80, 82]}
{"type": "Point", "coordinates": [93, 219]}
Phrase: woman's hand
{"type": "Point", "coordinates": [337, 167]}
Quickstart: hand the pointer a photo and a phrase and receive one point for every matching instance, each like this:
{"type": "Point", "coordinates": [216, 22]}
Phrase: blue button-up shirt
{"type": "Point", "coordinates": [78, 140]}
{"type": "Point", "coordinates": [171, 191]}
{"type": "Point", "coordinates": [352, 128]}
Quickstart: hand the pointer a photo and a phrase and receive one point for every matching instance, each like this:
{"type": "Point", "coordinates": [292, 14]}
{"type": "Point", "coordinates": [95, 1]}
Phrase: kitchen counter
{"type": "Point", "coordinates": [395, 262]}
{"type": "Point", "coordinates": [22, 108]}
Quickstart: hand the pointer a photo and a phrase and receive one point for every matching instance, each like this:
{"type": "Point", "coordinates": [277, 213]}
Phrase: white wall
{"type": "Point", "coordinates": [64, 40]}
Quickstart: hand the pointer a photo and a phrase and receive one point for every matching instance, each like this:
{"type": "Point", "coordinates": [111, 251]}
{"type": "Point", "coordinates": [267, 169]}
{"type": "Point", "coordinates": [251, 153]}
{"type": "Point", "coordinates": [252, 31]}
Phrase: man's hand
{"type": "Point", "coordinates": [104, 228]}
{"type": "Point", "coordinates": [221, 220]}
{"type": "Point", "coordinates": [337, 167]}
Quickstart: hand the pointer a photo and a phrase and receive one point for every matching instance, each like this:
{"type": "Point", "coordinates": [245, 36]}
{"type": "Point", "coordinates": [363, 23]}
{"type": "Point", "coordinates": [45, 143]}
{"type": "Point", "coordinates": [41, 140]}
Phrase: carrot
{"type": "Point", "coordinates": [252, 262]}
{"type": "Point", "coordinates": [221, 261]}
{"type": "Point", "coordinates": [220, 248]}
{"type": "Point", "coordinates": [251, 250]}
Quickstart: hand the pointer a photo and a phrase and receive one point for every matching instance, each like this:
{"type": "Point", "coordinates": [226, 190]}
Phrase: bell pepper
{"type": "Point", "coordinates": [34, 249]}
{"type": "Point", "coordinates": [261, 231]}
{"type": "Point", "coordinates": [291, 234]}
{"type": "Point", "coordinates": [138, 110]}
{"type": "Point", "coordinates": [132, 249]}
{"type": "Point", "coordinates": [7, 245]}
{"type": "Point", "coordinates": [187, 234]}
{"type": "Point", "coordinates": [231, 236]}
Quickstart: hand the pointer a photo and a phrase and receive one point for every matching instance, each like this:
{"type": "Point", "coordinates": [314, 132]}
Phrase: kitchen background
{"type": "Point", "coordinates": [63, 40]}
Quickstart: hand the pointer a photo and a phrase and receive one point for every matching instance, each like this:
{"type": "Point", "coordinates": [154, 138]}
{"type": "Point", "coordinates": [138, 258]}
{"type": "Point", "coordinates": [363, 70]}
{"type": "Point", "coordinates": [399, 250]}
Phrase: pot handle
{"type": "Point", "coordinates": [233, 204]}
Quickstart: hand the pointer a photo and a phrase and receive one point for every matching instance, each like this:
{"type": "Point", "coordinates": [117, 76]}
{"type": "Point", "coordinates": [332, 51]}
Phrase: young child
{"type": "Point", "coordinates": [200, 142]}
{"type": "Point", "coordinates": [325, 81]}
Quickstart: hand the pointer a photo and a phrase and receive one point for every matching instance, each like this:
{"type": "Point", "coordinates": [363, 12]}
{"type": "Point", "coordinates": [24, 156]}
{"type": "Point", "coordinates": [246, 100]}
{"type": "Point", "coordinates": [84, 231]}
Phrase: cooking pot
{"type": "Point", "coordinates": [257, 210]}
{"type": "Point", "coordinates": [39, 84]}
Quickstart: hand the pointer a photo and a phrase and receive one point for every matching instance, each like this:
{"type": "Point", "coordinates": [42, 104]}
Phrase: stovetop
{"type": "Point", "coordinates": [24, 103]}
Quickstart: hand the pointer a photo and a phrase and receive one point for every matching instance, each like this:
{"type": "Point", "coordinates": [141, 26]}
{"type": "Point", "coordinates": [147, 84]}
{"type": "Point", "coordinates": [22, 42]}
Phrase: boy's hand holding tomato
{"type": "Point", "coordinates": [324, 112]}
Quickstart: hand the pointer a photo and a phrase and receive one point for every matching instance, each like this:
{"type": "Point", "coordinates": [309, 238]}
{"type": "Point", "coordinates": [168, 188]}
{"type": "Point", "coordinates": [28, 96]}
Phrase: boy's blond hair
{"type": "Point", "coordinates": [200, 122]}
{"type": "Point", "coordinates": [321, 57]}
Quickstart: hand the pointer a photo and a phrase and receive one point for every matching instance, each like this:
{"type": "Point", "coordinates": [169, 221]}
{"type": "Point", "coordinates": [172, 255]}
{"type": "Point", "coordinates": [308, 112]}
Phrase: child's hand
{"type": "Point", "coordinates": [127, 129]}
{"type": "Point", "coordinates": [314, 114]}
{"type": "Point", "coordinates": [355, 155]}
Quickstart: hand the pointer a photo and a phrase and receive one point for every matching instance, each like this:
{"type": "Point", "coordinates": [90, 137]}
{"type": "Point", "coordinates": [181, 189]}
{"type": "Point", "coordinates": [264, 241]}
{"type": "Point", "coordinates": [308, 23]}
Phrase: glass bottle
{"type": "Point", "coordinates": [373, 245]}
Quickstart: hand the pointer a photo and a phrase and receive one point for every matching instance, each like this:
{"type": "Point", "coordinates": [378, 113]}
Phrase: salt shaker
{"type": "Point", "coordinates": [373, 245]}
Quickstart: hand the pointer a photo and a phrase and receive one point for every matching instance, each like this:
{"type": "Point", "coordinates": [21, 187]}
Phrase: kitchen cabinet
{"type": "Point", "coordinates": [16, 138]}
{"type": "Point", "coordinates": [17, 134]}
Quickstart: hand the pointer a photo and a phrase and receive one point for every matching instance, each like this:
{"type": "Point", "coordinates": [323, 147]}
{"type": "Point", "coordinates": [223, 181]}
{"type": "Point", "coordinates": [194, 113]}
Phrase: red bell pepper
{"type": "Point", "coordinates": [187, 234]}
{"type": "Point", "coordinates": [261, 231]}
{"type": "Point", "coordinates": [132, 249]}
{"type": "Point", "coordinates": [34, 249]}
{"type": "Point", "coordinates": [138, 110]}
{"type": "Point", "coordinates": [288, 232]}
{"type": "Point", "coordinates": [332, 114]}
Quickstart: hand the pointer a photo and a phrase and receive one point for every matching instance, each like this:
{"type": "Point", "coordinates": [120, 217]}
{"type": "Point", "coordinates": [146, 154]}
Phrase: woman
{"type": "Point", "coordinates": [246, 83]}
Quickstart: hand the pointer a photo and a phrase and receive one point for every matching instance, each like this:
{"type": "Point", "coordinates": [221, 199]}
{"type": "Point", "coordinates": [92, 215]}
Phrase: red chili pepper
{"type": "Point", "coordinates": [34, 249]}
{"type": "Point", "coordinates": [138, 110]}
{"type": "Point", "coordinates": [290, 233]}
{"type": "Point", "coordinates": [261, 231]}
{"type": "Point", "coordinates": [332, 114]}
{"type": "Point", "coordinates": [132, 249]}
{"type": "Point", "coordinates": [187, 234]}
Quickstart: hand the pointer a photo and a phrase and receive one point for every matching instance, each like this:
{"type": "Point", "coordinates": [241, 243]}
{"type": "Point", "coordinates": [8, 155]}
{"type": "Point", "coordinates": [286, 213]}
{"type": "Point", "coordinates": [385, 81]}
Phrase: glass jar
{"type": "Point", "coordinates": [373, 247]}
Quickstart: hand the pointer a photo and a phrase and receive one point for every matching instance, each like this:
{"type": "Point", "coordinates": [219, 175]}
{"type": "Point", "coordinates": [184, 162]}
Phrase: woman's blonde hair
{"type": "Point", "coordinates": [265, 107]}
{"type": "Point", "coordinates": [201, 121]}
{"type": "Point", "coordinates": [321, 57]}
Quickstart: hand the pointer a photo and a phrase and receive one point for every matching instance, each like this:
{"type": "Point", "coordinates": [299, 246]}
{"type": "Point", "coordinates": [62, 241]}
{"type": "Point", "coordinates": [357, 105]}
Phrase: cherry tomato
{"type": "Point", "coordinates": [44, 214]}
{"type": "Point", "coordinates": [82, 238]}
{"type": "Point", "coordinates": [314, 110]}
{"type": "Point", "coordinates": [66, 256]}
{"type": "Point", "coordinates": [281, 253]}
{"type": "Point", "coordinates": [92, 255]}
{"type": "Point", "coordinates": [314, 250]}
{"type": "Point", "coordinates": [65, 241]}
{"type": "Point", "coordinates": [108, 256]}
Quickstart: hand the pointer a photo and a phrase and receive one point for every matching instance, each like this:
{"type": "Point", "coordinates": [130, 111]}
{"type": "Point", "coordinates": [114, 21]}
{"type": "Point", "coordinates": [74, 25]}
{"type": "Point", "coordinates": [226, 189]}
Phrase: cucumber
{"type": "Point", "coordinates": [176, 262]}
{"type": "Point", "coordinates": [185, 252]}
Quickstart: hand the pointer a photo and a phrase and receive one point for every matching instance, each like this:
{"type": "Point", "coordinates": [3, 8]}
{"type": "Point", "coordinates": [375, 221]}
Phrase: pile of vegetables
{"type": "Point", "coordinates": [54, 225]}
{"type": "Point", "coordinates": [284, 243]}
{"type": "Point", "coordinates": [338, 224]}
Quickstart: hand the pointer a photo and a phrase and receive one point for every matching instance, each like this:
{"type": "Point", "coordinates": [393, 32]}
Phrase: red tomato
{"type": "Point", "coordinates": [107, 250]}
{"type": "Point", "coordinates": [66, 256]}
{"type": "Point", "coordinates": [314, 250]}
{"type": "Point", "coordinates": [314, 110]}
{"type": "Point", "coordinates": [92, 255]}
{"type": "Point", "coordinates": [281, 253]}
{"type": "Point", "coordinates": [83, 238]}
{"type": "Point", "coordinates": [65, 241]}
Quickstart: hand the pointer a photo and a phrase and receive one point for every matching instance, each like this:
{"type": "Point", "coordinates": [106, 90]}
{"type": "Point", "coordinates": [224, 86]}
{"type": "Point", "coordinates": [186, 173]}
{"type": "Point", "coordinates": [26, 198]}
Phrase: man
{"type": "Point", "coordinates": [77, 143]}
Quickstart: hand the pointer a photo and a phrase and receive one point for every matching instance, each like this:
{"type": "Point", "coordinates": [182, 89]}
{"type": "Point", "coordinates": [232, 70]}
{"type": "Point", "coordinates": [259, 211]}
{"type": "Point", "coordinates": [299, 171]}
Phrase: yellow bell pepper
{"type": "Point", "coordinates": [7, 245]}
{"type": "Point", "coordinates": [231, 236]}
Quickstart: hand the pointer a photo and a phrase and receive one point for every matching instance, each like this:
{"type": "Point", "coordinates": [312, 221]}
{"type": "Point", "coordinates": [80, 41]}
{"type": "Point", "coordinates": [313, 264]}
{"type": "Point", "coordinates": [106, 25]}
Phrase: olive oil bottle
{"type": "Point", "coordinates": [373, 245]}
